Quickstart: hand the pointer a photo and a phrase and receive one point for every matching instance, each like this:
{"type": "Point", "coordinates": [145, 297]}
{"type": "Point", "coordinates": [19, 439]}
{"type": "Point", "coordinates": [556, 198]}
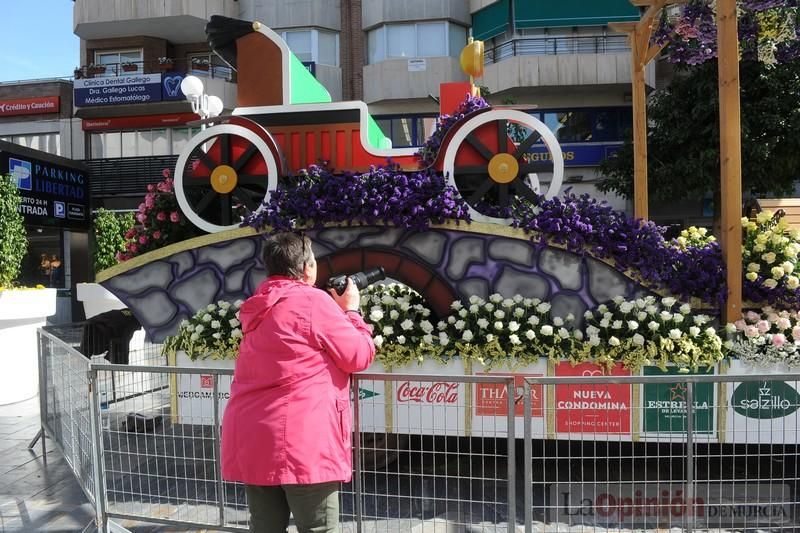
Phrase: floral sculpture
{"type": "Point", "coordinates": [159, 221]}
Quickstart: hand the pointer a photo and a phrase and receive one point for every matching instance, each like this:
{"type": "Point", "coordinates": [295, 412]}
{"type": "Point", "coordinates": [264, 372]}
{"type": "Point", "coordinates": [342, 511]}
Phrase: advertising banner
{"type": "Point", "coordinates": [54, 190]}
{"type": "Point", "coordinates": [171, 86]}
{"type": "Point", "coordinates": [762, 411]}
{"type": "Point", "coordinates": [195, 392]}
{"type": "Point", "coordinates": [664, 408]}
{"type": "Point", "coordinates": [491, 400]}
{"type": "Point", "coordinates": [29, 106]}
{"type": "Point", "coordinates": [632, 505]}
{"type": "Point", "coordinates": [431, 407]}
{"type": "Point", "coordinates": [119, 90]}
{"type": "Point", "coordinates": [576, 154]}
{"type": "Point", "coordinates": [585, 411]}
{"type": "Point", "coordinates": [143, 121]}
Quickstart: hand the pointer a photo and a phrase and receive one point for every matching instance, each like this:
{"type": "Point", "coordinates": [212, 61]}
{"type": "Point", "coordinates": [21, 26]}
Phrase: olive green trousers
{"type": "Point", "coordinates": [315, 507]}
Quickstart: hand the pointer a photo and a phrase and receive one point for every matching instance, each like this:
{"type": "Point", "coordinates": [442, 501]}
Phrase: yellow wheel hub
{"type": "Point", "coordinates": [503, 168]}
{"type": "Point", "coordinates": [223, 179]}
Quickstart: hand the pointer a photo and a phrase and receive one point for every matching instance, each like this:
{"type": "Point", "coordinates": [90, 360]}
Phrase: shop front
{"type": "Point", "coordinates": [56, 208]}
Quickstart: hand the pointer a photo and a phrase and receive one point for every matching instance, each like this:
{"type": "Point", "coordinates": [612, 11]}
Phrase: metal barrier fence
{"type": "Point", "coordinates": [545, 454]}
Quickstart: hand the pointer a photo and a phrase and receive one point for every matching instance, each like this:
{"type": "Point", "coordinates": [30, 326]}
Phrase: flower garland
{"type": "Point", "coordinates": [214, 332]}
{"type": "Point", "coordinates": [766, 338]}
{"type": "Point", "coordinates": [402, 331]}
{"type": "Point", "coordinates": [770, 253]}
{"type": "Point", "coordinates": [507, 329]}
{"type": "Point", "coordinates": [646, 331]}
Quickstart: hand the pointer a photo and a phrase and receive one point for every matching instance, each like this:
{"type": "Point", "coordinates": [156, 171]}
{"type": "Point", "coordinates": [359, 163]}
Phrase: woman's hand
{"type": "Point", "coordinates": [349, 300]}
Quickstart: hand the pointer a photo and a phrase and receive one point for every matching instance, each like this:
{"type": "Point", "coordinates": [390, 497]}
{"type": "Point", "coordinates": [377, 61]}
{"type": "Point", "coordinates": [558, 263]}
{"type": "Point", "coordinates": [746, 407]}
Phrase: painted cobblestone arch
{"type": "Point", "coordinates": [445, 263]}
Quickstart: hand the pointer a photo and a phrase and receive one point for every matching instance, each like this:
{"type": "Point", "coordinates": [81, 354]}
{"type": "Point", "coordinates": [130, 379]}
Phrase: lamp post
{"type": "Point", "coordinates": [203, 104]}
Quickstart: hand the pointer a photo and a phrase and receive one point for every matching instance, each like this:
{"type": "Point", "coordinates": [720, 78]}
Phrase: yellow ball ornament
{"type": "Point", "coordinates": [471, 59]}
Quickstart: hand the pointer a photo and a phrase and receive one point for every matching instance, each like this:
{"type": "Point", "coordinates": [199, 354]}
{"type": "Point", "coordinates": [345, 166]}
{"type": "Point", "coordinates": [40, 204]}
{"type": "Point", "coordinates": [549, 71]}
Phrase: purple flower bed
{"type": "Point", "coordinates": [583, 224]}
{"type": "Point", "coordinates": [382, 195]}
{"type": "Point", "coordinates": [427, 154]}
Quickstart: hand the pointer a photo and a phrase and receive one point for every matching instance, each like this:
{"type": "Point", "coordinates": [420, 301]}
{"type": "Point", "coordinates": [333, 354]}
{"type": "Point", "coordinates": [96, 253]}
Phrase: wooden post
{"type": "Point", "coordinates": [639, 98]}
{"type": "Point", "coordinates": [642, 52]}
{"type": "Point", "coordinates": [730, 140]}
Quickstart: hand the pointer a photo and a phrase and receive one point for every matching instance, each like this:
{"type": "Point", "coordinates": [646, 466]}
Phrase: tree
{"type": "Point", "coordinates": [683, 138]}
{"type": "Point", "coordinates": [13, 238]}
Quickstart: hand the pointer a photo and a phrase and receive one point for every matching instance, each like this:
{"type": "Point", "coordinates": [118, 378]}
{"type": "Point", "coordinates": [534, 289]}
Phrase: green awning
{"type": "Point", "coordinates": [554, 13]}
{"type": "Point", "coordinates": [490, 21]}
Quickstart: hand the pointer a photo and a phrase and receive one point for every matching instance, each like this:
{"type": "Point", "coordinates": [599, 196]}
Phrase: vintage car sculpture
{"type": "Point", "coordinates": [285, 121]}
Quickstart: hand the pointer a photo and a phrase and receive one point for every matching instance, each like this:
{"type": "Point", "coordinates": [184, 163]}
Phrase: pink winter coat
{"type": "Point", "coordinates": [288, 418]}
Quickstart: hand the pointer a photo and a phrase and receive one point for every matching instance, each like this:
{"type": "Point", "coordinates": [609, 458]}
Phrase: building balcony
{"type": "Point", "coordinates": [560, 61]}
{"type": "Point", "coordinates": [397, 79]}
{"type": "Point", "coordinates": [178, 22]}
{"type": "Point", "coordinates": [202, 69]}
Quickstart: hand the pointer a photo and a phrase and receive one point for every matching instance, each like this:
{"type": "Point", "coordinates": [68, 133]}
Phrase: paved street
{"type": "Point", "coordinates": [35, 497]}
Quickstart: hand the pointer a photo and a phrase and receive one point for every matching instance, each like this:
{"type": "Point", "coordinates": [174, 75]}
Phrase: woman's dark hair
{"type": "Point", "coordinates": [286, 254]}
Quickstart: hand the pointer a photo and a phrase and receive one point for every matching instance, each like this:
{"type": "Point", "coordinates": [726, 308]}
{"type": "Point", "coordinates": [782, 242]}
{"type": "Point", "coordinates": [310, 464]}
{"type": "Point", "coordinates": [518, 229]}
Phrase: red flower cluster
{"type": "Point", "coordinates": [159, 221]}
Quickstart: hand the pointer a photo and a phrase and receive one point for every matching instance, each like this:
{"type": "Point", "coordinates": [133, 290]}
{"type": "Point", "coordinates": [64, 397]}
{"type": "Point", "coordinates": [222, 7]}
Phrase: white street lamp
{"type": "Point", "coordinates": [203, 104]}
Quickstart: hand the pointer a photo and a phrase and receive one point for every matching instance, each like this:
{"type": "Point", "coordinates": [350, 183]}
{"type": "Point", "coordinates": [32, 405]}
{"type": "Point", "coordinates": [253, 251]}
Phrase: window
{"type": "Point", "coordinates": [569, 126]}
{"type": "Point", "coordinates": [118, 63]}
{"type": "Point", "coordinates": [400, 41]}
{"type": "Point", "coordinates": [300, 43]}
{"type": "Point", "coordinates": [314, 45]}
{"type": "Point", "coordinates": [588, 124]}
{"type": "Point", "coordinates": [140, 143]}
{"type": "Point", "coordinates": [46, 142]}
{"type": "Point", "coordinates": [424, 39]}
{"type": "Point", "coordinates": [43, 263]}
{"type": "Point", "coordinates": [407, 131]}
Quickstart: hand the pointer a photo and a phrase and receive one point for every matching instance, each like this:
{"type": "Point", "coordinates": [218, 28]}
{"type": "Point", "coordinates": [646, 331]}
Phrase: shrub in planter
{"type": "Point", "coordinates": [14, 241]}
{"type": "Point", "coordinates": [109, 237]}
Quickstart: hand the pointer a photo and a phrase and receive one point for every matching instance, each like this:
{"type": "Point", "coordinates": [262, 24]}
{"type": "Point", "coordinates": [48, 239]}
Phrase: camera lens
{"type": "Point", "coordinates": [368, 277]}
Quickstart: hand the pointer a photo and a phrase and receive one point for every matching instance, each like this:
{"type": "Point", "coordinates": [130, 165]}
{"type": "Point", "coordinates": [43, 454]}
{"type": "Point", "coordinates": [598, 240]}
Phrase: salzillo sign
{"type": "Point", "coordinates": [765, 399]}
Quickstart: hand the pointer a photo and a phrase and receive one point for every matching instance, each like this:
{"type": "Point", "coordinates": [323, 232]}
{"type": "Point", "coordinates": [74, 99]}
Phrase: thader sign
{"type": "Point", "coordinates": [121, 90]}
{"type": "Point", "coordinates": [54, 190]}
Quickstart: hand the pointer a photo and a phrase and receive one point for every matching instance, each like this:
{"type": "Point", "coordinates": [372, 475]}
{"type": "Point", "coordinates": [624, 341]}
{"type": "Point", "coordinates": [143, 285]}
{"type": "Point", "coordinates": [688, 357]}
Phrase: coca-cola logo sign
{"type": "Point", "coordinates": [439, 392]}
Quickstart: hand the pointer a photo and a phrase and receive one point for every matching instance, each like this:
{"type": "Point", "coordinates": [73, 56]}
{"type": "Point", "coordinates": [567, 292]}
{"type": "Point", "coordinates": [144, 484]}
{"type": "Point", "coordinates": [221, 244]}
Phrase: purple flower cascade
{"type": "Point", "coordinates": [427, 154]}
{"type": "Point", "coordinates": [583, 224]}
{"type": "Point", "coordinates": [382, 195]}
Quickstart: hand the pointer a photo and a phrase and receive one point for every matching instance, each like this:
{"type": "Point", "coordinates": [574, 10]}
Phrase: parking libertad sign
{"type": "Point", "coordinates": [54, 190]}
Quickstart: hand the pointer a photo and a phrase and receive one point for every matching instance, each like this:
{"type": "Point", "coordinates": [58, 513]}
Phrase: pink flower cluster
{"type": "Point", "coordinates": [159, 221]}
{"type": "Point", "coordinates": [778, 328]}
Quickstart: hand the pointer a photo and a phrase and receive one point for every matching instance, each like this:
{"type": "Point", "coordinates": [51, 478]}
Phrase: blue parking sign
{"type": "Point", "coordinates": [21, 171]}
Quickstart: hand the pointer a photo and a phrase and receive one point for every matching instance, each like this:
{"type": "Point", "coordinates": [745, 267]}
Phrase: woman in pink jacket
{"type": "Point", "coordinates": [286, 431]}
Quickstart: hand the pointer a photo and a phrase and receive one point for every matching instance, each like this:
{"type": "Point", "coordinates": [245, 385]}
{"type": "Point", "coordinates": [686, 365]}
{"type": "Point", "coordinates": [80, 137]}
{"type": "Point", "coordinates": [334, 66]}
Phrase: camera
{"type": "Point", "coordinates": [360, 279]}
